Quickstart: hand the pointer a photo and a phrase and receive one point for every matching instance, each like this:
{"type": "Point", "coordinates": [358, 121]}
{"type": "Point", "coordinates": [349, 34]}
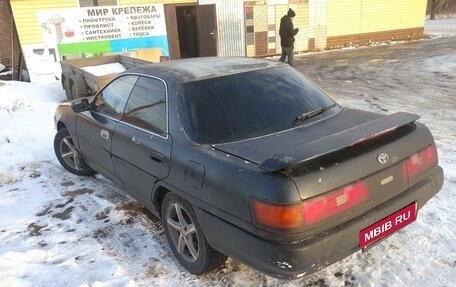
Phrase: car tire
{"type": "Point", "coordinates": [186, 237]}
{"type": "Point", "coordinates": [67, 154]}
{"type": "Point", "coordinates": [77, 87]}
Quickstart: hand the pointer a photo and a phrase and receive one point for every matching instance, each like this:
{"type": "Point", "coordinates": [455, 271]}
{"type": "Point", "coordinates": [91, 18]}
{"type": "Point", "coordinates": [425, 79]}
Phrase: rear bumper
{"type": "Point", "coordinates": [296, 259]}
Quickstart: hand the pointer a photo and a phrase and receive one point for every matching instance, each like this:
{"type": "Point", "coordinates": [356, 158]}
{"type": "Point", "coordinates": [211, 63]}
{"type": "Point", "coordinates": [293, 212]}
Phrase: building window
{"type": "Point", "coordinates": [249, 12]}
{"type": "Point", "coordinates": [91, 3]}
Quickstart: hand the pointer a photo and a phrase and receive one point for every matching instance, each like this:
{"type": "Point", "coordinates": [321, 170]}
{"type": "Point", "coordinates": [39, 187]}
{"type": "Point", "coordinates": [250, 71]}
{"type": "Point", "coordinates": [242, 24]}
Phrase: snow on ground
{"type": "Point", "coordinates": [445, 26]}
{"type": "Point", "coordinates": [57, 229]}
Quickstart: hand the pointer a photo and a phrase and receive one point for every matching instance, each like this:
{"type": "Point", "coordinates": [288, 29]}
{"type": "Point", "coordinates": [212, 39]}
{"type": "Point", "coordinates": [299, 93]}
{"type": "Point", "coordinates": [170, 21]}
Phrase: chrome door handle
{"type": "Point", "coordinates": [135, 140]}
{"type": "Point", "coordinates": [104, 134]}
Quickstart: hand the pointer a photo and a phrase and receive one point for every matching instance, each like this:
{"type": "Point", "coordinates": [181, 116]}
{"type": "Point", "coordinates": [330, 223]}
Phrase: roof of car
{"type": "Point", "coordinates": [191, 69]}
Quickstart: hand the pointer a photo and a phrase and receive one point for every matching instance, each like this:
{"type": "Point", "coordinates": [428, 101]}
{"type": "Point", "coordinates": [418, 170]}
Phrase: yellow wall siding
{"type": "Point", "coordinates": [344, 17]}
{"type": "Point", "coordinates": [24, 13]}
{"type": "Point", "coordinates": [352, 17]}
{"type": "Point", "coordinates": [139, 2]}
{"type": "Point", "coordinates": [386, 15]}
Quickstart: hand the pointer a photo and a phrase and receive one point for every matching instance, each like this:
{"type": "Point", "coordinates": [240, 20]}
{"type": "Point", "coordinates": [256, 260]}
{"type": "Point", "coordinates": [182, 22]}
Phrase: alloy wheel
{"type": "Point", "coordinates": [183, 232]}
{"type": "Point", "coordinates": [69, 153]}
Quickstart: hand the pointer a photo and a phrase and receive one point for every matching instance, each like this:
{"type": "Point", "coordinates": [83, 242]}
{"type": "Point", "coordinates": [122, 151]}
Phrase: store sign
{"type": "Point", "coordinates": [138, 31]}
{"type": "Point", "coordinates": [107, 29]}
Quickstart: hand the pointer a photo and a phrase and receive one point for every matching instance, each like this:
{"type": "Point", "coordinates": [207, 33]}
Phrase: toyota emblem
{"type": "Point", "coordinates": [383, 158]}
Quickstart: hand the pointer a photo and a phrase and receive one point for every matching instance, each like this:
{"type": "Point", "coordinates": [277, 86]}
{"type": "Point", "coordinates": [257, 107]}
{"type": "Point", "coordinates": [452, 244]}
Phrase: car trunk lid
{"type": "Point", "coordinates": [338, 151]}
{"type": "Point", "coordinates": [308, 142]}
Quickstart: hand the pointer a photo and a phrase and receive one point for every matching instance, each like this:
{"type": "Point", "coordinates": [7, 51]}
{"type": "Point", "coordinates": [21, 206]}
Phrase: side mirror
{"type": "Point", "coordinates": [81, 105]}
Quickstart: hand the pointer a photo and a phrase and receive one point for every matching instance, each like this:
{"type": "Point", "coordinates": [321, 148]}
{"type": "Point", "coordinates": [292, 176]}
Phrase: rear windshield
{"type": "Point", "coordinates": [246, 105]}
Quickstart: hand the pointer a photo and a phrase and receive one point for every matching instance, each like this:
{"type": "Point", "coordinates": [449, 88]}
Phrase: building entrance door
{"type": "Point", "coordinates": [192, 30]}
{"type": "Point", "coordinates": [207, 30]}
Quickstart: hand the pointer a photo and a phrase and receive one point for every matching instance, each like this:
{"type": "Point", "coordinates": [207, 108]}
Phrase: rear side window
{"type": "Point", "coordinates": [112, 99]}
{"type": "Point", "coordinates": [146, 107]}
{"type": "Point", "coordinates": [247, 105]}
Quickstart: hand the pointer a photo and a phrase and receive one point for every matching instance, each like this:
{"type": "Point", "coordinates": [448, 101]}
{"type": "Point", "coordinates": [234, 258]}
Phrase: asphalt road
{"type": "Point", "coordinates": [398, 68]}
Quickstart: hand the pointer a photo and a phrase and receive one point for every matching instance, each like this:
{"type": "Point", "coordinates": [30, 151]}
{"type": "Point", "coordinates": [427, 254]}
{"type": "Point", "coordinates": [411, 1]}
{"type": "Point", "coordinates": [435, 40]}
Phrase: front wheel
{"type": "Point", "coordinates": [67, 154]}
{"type": "Point", "coordinates": [186, 237]}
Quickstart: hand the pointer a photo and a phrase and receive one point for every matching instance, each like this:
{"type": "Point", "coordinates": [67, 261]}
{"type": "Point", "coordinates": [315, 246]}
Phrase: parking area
{"type": "Point", "coordinates": [80, 231]}
{"type": "Point", "coordinates": [417, 77]}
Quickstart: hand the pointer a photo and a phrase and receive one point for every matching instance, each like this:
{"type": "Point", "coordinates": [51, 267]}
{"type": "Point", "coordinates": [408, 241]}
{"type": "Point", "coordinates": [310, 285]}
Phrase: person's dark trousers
{"type": "Point", "coordinates": [287, 52]}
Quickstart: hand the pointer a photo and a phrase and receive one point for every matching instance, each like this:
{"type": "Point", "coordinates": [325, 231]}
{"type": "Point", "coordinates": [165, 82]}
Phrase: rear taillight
{"type": "Point", "coordinates": [278, 216]}
{"type": "Point", "coordinates": [334, 202]}
{"type": "Point", "coordinates": [312, 210]}
{"type": "Point", "coordinates": [419, 162]}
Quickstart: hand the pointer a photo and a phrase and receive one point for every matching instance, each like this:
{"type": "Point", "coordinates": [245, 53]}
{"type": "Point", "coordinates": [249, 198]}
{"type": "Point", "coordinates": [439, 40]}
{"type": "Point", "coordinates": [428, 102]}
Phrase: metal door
{"type": "Point", "coordinates": [96, 126]}
{"type": "Point", "coordinates": [140, 159]}
{"type": "Point", "coordinates": [94, 132]}
{"type": "Point", "coordinates": [207, 30]}
{"type": "Point", "coordinates": [141, 145]}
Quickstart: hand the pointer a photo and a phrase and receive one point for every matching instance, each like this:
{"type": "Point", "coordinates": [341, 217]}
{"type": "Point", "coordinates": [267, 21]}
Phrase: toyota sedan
{"type": "Point", "coordinates": [247, 158]}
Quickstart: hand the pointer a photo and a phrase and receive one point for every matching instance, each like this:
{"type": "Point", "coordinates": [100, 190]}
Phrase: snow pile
{"type": "Point", "coordinates": [441, 27]}
{"type": "Point", "coordinates": [26, 124]}
{"type": "Point", "coordinates": [106, 69]}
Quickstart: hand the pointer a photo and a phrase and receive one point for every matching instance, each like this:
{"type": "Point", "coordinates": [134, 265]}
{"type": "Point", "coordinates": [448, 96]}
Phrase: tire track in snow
{"type": "Point", "coordinates": [122, 226]}
{"type": "Point", "coordinates": [135, 239]}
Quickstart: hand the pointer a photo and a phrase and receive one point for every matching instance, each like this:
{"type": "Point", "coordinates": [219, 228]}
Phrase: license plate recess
{"type": "Point", "coordinates": [387, 226]}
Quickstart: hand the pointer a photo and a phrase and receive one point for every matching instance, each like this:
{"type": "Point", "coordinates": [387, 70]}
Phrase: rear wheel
{"type": "Point", "coordinates": [186, 237]}
{"type": "Point", "coordinates": [77, 87]}
{"type": "Point", "coordinates": [67, 154]}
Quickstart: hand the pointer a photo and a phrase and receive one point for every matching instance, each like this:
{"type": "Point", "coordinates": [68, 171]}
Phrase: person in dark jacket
{"type": "Point", "coordinates": [287, 33]}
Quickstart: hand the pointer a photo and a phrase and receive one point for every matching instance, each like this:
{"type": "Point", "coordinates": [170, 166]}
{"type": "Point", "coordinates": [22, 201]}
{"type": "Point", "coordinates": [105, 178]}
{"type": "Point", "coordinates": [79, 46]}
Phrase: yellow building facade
{"type": "Point", "coordinates": [361, 21]}
{"type": "Point", "coordinates": [329, 24]}
{"type": "Point", "coordinates": [178, 29]}
{"type": "Point", "coordinates": [25, 13]}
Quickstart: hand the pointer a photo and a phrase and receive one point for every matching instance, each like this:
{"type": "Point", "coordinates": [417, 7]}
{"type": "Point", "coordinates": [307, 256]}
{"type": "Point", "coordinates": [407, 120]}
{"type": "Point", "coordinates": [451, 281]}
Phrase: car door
{"type": "Point", "coordinates": [94, 128]}
{"type": "Point", "coordinates": [141, 144]}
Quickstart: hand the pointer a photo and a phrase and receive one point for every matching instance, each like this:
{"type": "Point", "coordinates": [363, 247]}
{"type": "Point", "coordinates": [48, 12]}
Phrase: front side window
{"type": "Point", "coordinates": [111, 100]}
{"type": "Point", "coordinates": [249, 104]}
{"type": "Point", "coordinates": [146, 107]}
